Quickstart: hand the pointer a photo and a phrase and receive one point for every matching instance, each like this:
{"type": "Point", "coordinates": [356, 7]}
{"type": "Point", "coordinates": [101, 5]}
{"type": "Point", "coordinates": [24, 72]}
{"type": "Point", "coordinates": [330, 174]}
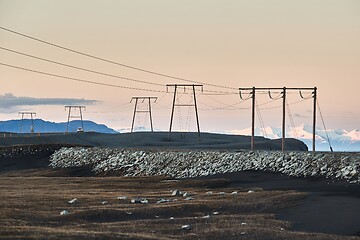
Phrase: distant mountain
{"type": "Point", "coordinates": [41, 126]}
{"type": "Point", "coordinates": [340, 139]}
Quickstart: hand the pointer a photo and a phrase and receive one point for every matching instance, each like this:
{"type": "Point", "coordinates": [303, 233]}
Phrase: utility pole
{"type": "Point", "coordinates": [70, 116]}
{"type": "Point", "coordinates": [193, 89]}
{"type": "Point", "coordinates": [314, 118]}
{"type": "Point", "coordinates": [253, 120]}
{"type": "Point", "coordinates": [283, 119]}
{"type": "Point", "coordinates": [283, 96]}
{"type": "Point", "coordinates": [142, 111]}
{"type": "Point", "coordinates": [32, 130]}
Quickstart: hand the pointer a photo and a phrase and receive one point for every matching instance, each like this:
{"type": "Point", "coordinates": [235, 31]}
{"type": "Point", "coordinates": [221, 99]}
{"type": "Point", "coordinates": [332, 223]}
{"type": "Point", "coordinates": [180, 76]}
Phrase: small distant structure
{"type": "Point", "coordinates": [31, 114]}
{"type": "Point", "coordinates": [142, 111]}
{"type": "Point", "coordinates": [71, 115]}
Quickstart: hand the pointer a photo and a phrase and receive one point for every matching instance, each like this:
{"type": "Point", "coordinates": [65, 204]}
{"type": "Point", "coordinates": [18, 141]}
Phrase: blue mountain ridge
{"type": "Point", "coordinates": [41, 126]}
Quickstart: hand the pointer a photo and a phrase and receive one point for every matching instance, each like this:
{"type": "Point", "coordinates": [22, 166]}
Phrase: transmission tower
{"type": "Point", "coordinates": [142, 111]}
{"type": "Point", "coordinates": [192, 87]}
{"type": "Point", "coordinates": [283, 90]}
{"type": "Point", "coordinates": [31, 114]}
{"type": "Point", "coordinates": [70, 116]}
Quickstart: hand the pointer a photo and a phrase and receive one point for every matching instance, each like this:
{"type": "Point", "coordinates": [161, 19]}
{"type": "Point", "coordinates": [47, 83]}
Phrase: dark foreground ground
{"type": "Point", "coordinates": [266, 206]}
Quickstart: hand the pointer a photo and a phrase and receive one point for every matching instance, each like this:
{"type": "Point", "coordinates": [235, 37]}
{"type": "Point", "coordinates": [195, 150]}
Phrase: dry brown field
{"type": "Point", "coordinates": [33, 196]}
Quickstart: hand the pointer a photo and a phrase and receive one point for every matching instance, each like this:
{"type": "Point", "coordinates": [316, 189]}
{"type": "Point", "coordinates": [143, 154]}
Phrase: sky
{"type": "Point", "coordinates": [225, 45]}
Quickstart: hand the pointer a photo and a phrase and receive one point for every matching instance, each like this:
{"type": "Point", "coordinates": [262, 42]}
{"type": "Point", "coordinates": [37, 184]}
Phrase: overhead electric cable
{"type": "Point", "coordinates": [122, 107]}
{"type": "Point", "coordinates": [102, 73]}
{"type": "Point", "coordinates": [281, 105]}
{"type": "Point", "coordinates": [79, 68]}
{"type": "Point", "coordinates": [308, 97]}
{"type": "Point", "coordinates": [214, 99]}
{"type": "Point", "coordinates": [323, 122]}
{"type": "Point", "coordinates": [262, 125]}
{"type": "Point", "coordinates": [267, 102]}
{"type": "Point", "coordinates": [291, 119]}
{"type": "Point", "coordinates": [77, 79]}
{"type": "Point", "coordinates": [250, 95]}
{"type": "Point", "coordinates": [218, 93]}
{"type": "Point", "coordinates": [276, 98]}
{"type": "Point", "coordinates": [110, 61]}
{"type": "Point", "coordinates": [222, 108]}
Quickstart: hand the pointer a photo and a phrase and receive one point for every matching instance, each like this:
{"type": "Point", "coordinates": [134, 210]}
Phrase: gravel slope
{"type": "Point", "coordinates": [181, 164]}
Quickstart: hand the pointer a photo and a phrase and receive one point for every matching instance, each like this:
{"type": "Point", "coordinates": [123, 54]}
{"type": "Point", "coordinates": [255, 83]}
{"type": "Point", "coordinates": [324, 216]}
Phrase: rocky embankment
{"type": "Point", "coordinates": [181, 164]}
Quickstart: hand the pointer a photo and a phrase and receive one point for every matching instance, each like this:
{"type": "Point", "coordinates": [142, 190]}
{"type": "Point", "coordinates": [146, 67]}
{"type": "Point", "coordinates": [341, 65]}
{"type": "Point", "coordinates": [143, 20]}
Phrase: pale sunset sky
{"type": "Point", "coordinates": [231, 43]}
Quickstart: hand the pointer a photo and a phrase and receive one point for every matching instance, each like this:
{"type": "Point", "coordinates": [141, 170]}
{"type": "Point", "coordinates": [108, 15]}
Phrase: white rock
{"type": "Point", "coordinates": [139, 200]}
{"type": "Point", "coordinates": [144, 201]}
{"type": "Point", "coordinates": [64, 212]}
{"type": "Point", "coordinates": [162, 200]}
{"type": "Point", "coordinates": [186, 227]}
{"type": "Point", "coordinates": [73, 201]}
{"type": "Point", "coordinates": [176, 193]}
{"type": "Point", "coordinates": [186, 194]}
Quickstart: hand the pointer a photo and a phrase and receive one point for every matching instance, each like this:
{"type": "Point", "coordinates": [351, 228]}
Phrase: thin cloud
{"type": "Point", "coordinates": [10, 103]}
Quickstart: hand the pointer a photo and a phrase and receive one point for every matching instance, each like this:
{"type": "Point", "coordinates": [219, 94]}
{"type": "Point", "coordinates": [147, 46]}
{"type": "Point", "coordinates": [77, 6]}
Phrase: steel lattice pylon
{"type": "Point", "coordinates": [192, 87]}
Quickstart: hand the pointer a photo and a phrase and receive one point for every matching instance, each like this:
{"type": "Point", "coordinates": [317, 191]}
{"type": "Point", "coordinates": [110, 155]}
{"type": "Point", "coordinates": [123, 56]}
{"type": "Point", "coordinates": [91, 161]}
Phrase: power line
{"type": "Point", "coordinates": [214, 99]}
{"type": "Point", "coordinates": [77, 79]}
{"type": "Point", "coordinates": [262, 125]}
{"type": "Point", "coordinates": [218, 93]}
{"type": "Point", "coordinates": [79, 68]}
{"type": "Point", "coordinates": [110, 61]}
{"type": "Point", "coordinates": [122, 107]}
{"type": "Point", "coordinates": [323, 122]}
{"type": "Point", "coordinates": [158, 106]}
{"type": "Point", "coordinates": [222, 108]}
{"type": "Point", "coordinates": [100, 73]}
{"type": "Point", "coordinates": [291, 119]}
{"type": "Point", "coordinates": [293, 103]}
{"type": "Point", "coordinates": [210, 92]}
{"type": "Point", "coordinates": [267, 102]}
